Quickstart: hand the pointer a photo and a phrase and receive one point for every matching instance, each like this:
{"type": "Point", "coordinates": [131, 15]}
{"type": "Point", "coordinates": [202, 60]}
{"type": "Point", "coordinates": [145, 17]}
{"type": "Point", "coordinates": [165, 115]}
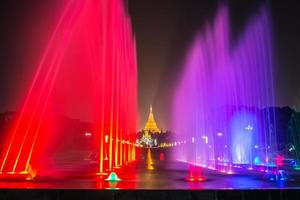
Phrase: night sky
{"type": "Point", "coordinates": [164, 30]}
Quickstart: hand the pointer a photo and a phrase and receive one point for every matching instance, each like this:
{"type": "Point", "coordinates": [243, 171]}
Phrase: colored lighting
{"type": "Point", "coordinates": [195, 179]}
{"type": "Point", "coordinates": [105, 73]}
{"type": "Point", "coordinates": [113, 177]}
{"type": "Point", "coordinates": [161, 156]}
{"type": "Point", "coordinates": [249, 127]}
{"type": "Point", "coordinates": [205, 138]}
{"type": "Point", "coordinates": [195, 173]}
{"type": "Point", "coordinates": [223, 92]}
{"type": "Point", "coordinates": [279, 160]}
{"type": "Point", "coordinates": [88, 134]}
{"type": "Point", "coordinates": [278, 175]}
{"type": "Point", "coordinates": [101, 174]}
{"type": "Point", "coordinates": [256, 160]}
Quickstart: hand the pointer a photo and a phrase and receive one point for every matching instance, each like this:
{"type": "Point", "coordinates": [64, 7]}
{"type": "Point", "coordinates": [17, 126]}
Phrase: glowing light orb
{"type": "Point", "coordinates": [113, 177]}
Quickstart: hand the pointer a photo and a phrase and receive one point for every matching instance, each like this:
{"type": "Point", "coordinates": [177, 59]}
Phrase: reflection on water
{"type": "Point", "coordinates": [165, 175]}
{"type": "Point", "coordinates": [149, 160]}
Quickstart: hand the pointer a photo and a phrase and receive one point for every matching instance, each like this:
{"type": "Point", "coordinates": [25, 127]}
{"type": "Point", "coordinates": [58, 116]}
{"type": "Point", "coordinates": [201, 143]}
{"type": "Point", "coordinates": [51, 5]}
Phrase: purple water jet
{"type": "Point", "coordinates": [220, 106]}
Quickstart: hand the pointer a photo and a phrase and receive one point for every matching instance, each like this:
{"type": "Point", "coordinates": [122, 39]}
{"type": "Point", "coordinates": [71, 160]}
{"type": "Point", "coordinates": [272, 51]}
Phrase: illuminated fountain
{"type": "Point", "coordinates": [87, 69]}
{"type": "Point", "coordinates": [220, 107]}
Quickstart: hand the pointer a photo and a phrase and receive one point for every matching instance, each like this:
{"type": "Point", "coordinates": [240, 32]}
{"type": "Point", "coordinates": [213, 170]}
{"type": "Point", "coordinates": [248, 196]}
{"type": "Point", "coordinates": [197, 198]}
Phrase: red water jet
{"type": "Point", "coordinates": [88, 69]}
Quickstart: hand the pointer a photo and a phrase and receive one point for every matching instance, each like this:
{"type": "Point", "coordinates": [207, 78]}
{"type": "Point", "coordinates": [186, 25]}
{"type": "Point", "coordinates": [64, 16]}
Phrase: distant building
{"type": "Point", "coordinates": [148, 136]}
{"type": "Point", "coordinates": [151, 124]}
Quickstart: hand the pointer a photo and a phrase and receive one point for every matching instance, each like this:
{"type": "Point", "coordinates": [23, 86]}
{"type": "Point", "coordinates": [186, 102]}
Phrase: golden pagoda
{"type": "Point", "coordinates": [151, 124]}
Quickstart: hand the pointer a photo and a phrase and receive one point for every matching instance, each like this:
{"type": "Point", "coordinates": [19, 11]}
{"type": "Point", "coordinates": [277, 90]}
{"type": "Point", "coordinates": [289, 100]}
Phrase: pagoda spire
{"type": "Point", "coordinates": [151, 124]}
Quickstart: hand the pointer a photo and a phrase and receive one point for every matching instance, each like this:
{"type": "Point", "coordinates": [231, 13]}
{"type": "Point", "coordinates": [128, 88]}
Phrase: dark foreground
{"type": "Point", "coordinates": [162, 175]}
{"type": "Point", "coordinates": [62, 194]}
{"type": "Point", "coordinates": [161, 180]}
